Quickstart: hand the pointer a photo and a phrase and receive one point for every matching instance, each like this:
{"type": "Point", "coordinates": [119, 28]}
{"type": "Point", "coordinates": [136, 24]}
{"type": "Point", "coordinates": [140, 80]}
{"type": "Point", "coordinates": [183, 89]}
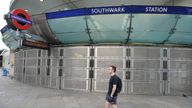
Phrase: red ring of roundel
{"type": "Point", "coordinates": [14, 21]}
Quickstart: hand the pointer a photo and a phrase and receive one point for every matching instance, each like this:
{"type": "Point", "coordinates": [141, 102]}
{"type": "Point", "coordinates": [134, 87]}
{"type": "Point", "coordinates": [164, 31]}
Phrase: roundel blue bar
{"type": "Point", "coordinates": [121, 10]}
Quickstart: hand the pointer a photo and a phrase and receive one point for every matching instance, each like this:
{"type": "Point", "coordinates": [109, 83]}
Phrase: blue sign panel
{"type": "Point", "coordinates": [67, 13]}
{"type": "Point", "coordinates": [162, 10]}
{"type": "Point", "coordinates": [20, 19]}
{"type": "Point", "coordinates": [4, 29]}
{"type": "Point", "coordinates": [107, 10]}
{"type": "Point", "coordinates": [122, 10]}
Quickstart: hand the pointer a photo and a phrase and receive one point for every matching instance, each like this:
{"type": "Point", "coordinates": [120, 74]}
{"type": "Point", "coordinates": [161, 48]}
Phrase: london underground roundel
{"type": "Point", "coordinates": [20, 19]}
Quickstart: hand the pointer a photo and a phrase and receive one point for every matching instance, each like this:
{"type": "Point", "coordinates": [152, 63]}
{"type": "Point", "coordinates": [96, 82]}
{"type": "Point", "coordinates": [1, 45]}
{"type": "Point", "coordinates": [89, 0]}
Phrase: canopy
{"type": "Point", "coordinates": [123, 24]}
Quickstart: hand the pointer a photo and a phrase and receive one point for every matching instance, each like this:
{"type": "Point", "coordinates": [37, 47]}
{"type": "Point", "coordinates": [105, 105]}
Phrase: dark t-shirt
{"type": "Point", "coordinates": [113, 81]}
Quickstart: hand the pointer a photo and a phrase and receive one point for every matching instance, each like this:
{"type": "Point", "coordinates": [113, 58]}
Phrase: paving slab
{"type": "Point", "coordinates": [14, 94]}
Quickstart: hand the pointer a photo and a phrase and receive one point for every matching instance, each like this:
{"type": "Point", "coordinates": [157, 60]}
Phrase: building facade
{"type": "Point", "coordinates": [148, 40]}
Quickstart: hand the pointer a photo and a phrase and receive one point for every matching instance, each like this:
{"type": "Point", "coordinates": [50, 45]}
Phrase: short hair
{"type": "Point", "coordinates": [113, 67]}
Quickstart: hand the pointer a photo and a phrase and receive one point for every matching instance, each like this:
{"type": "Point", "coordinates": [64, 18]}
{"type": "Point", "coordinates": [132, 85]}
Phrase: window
{"type": "Point", "coordinates": [164, 52]}
{"type": "Point", "coordinates": [164, 64]}
{"type": "Point", "coordinates": [128, 52]}
{"type": "Point", "coordinates": [60, 72]}
{"type": "Point", "coordinates": [48, 62]}
{"type": "Point", "coordinates": [61, 52]}
{"type": "Point", "coordinates": [38, 71]}
{"type": "Point", "coordinates": [91, 52]}
{"type": "Point", "coordinates": [48, 72]}
{"type": "Point", "coordinates": [91, 63]}
{"type": "Point", "coordinates": [48, 53]}
{"type": "Point", "coordinates": [60, 62]}
{"type": "Point", "coordinates": [128, 64]}
{"type": "Point", "coordinates": [39, 53]}
{"type": "Point", "coordinates": [39, 62]}
{"type": "Point", "coordinates": [128, 75]}
{"type": "Point", "coordinates": [164, 75]}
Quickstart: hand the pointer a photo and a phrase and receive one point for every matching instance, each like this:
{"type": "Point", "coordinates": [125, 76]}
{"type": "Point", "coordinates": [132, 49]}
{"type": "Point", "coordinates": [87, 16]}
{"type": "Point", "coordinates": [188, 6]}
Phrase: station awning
{"type": "Point", "coordinates": [123, 24]}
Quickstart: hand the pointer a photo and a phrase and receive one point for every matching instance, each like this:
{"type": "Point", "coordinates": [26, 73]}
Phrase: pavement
{"type": "Point", "coordinates": [14, 94]}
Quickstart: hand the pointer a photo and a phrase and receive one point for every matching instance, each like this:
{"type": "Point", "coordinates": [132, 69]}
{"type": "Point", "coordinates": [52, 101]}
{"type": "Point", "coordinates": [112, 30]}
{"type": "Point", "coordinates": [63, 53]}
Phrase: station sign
{"type": "Point", "coordinates": [133, 9]}
{"type": "Point", "coordinates": [4, 29]}
{"type": "Point", "coordinates": [20, 19]}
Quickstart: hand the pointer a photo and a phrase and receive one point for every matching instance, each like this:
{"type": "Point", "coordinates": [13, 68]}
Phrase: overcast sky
{"type": "Point", "coordinates": [4, 9]}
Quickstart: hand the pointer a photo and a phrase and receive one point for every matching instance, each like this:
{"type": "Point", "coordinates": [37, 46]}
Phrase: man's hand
{"type": "Point", "coordinates": [111, 99]}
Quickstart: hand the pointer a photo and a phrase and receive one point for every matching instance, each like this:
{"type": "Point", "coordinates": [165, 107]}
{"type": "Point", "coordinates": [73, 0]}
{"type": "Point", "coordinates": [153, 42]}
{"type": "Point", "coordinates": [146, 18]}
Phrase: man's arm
{"type": "Point", "coordinates": [113, 90]}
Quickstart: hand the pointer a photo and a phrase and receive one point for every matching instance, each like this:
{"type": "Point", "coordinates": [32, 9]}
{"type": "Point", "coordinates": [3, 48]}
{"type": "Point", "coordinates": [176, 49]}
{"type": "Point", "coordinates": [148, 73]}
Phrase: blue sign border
{"type": "Point", "coordinates": [4, 29]}
{"type": "Point", "coordinates": [134, 9]}
{"type": "Point", "coordinates": [18, 18]}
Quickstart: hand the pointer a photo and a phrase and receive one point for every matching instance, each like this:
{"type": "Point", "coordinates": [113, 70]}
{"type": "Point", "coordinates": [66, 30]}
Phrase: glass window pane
{"type": "Point", "coordinates": [151, 37]}
{"type": "Point", "coordinates": [69, 24]}
{"type": "Point", "coordinates": [164, 52]}
{"type": "Point", "coordinates": [184, 23]}
{"type": "Point", "coordinates": [164, 64]}
{"type": "Point", "coordinates": [116, 22]}
{"type": "Point", "coordinates": [156, 22]}
{"type": "Point", "coordinates": [109, 36]}
{"type": "Point", "coordinates": [104, 28]}
{"type": "Point", "coordinates": [181, 38]}
{"type": "Point", "coordinates": [73, 37]}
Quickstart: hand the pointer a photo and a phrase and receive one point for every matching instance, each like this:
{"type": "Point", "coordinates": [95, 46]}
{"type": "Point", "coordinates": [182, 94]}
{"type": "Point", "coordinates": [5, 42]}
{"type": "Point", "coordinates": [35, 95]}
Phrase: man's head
{"type": "Point", "coordinates": [112, 69]}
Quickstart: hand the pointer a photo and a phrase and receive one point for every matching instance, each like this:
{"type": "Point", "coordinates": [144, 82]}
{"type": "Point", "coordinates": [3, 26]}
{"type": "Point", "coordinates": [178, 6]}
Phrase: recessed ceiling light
{"type": "Point", "coordinates": [65, 9]}
{"type": "Point", "coordinates": [148, 30]}
{"type": "Point", "coordinates": [41, 0]}
{"type": "Point", "coordinates": [26, 10]}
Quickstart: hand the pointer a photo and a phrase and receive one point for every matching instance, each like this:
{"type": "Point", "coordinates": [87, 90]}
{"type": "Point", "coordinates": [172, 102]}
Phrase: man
{"type": "Point", "coordinates": [111, 97]}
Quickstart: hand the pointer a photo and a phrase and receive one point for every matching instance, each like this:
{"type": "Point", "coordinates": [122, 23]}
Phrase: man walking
{"type": "Point", "coordinates": [111, 97]}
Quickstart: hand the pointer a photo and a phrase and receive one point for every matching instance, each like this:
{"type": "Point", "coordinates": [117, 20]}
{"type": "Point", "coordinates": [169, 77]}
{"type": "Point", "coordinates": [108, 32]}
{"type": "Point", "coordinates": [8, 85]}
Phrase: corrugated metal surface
{"type": "Point", "coordinates": [180, 71]}
{"type": "Point", "coordinates": [31, 64]}
{"type": "Point", "coordinates": [145, 72]}
{"type": "Point", "coordinates": [106, 56]}
{"type": "Point", "coordinates": [150, 70]}
{"type": "Point", "coordinates": [75, 68]}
